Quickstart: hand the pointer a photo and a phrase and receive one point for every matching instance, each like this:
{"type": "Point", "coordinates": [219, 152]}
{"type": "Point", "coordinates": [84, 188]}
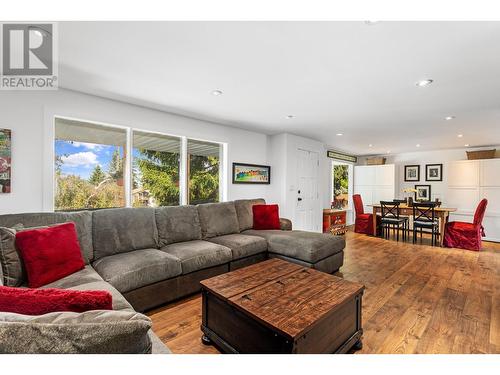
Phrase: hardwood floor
{"type": "Point", "coordinates": [418, 299]}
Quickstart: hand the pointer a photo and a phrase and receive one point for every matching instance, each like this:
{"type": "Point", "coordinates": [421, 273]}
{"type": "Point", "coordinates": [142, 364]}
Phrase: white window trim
{"type": "Point", "coordinates": [48, 175]}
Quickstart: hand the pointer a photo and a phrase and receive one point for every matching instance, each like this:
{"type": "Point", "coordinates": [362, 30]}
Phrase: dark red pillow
{"type": "Point", "coordinates": [49, 254]}
{"type": "Point", "coordinates": [42, 301]}
{"type": "Point", "coordinates": [266, 216]}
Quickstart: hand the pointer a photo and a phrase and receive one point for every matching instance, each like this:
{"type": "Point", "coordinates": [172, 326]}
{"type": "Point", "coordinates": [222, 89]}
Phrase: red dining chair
{"type": "Point", "coordinates": [466, 235]}
{"type": "Point", "coordinates": [363, 223]}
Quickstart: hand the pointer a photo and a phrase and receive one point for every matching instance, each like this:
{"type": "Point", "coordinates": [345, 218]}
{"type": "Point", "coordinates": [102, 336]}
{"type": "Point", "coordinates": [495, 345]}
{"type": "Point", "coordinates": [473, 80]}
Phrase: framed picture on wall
{"type": "Point", "coordinates": [5, 160]}
{"type": "Point", "coordinates": [423, 193]}
{"type": "Point", "coordinates": [412, 173]}
{"type": "Point", "coordinates": [251, 174]}
{"type": "Point", "coordinates": [434, 172]}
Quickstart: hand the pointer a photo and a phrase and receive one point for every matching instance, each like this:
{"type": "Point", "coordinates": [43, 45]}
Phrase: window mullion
{"type": "Point", "coordinates": [183, 177]}
{"type": "Point", "coordinates": [128, 169]}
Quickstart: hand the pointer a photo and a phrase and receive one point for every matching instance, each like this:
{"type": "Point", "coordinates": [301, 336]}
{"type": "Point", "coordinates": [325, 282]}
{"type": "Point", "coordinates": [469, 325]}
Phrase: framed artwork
{"type": "Point", "coordinates": [412, 173]}
{"type": "Point", "coordinates": [251, 174]}
{"type": "Point", "coordinates": [434, 172]}
{"type": "Point", "coordinates": [5, 160]}
{"type": "Point", "coordinates": [423, 192]}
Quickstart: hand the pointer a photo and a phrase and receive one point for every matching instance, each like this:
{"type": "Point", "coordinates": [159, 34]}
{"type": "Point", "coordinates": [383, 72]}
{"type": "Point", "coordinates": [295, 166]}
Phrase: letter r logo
{"type": "Point", "coordinates": [27, 49]}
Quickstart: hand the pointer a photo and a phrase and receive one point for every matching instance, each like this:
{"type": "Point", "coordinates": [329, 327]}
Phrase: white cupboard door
{"type": "Point", "coordinates": [382, 193]}
{"type": "Point", "coordinates": [463, 173]}
{"type": "Point", "coordinates": [366, 193]}
{"type": "Point", "coordinates": [490, 172]}
{"type": "Point", "coordinates": [492, 194]}
{"type": "Point", "coordinates": [465, 200]}
{"type": "Point", "coordinates": [491, 228]}
{"type": "Point", "coordinates": [384, 175]}
{"type": "Point", "coordinates": [364, 175]}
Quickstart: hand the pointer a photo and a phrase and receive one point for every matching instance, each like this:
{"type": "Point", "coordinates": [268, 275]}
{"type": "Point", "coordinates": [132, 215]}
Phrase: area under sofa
{"type": "Point", "coordinates": [146, 257]}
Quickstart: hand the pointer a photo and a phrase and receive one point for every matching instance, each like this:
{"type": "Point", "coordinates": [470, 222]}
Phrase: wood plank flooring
{"type": "Point", "coordinates": [418, 299]}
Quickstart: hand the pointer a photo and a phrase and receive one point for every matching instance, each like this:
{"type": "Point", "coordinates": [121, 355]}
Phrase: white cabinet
{"type": "Point", "coordinates": [375, 183]}
{"type": "Point", "coordinates": [463, 173]}
{"type": "Point", "coordinates": [469, 181]}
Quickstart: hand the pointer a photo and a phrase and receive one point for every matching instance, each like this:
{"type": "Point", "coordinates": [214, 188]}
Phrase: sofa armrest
{"type": "Point", "coordinates": [285, 224]}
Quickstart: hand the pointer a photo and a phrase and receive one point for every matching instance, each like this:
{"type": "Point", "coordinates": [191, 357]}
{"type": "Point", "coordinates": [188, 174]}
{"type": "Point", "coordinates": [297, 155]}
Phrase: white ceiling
{"type": "Point", "coordinates": [334, 77]}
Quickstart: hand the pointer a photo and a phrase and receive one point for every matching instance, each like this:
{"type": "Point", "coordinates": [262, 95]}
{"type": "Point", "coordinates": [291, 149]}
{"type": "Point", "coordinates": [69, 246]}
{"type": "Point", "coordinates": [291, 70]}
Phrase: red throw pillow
{"type": "Point", "coordinates": [49, 254]}
{"type": "Point", "coordinates": [266, 216]}
{"type": "Point", "coordinates": [43, 301]}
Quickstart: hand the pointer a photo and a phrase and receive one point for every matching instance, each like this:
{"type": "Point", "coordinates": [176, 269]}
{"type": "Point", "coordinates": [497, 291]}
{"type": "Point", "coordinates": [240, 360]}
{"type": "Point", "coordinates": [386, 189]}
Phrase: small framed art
{"type": "Point", "coordinates": [434, 172]}
{"type": "Point", "coordinates": [251, 174]}
{"type": "Point", "coordinates": [412, 173]}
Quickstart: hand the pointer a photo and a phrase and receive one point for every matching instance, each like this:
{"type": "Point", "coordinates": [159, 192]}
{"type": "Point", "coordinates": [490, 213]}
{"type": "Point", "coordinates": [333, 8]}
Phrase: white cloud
{"type": "Point", "coordinates": [80, 159]}
{"type": "Point", "coordinates": [90, 146]}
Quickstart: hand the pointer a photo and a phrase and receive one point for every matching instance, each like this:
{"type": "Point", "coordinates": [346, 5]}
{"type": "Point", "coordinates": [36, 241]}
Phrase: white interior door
{"type": "Point", "coordinates": [307, 212]}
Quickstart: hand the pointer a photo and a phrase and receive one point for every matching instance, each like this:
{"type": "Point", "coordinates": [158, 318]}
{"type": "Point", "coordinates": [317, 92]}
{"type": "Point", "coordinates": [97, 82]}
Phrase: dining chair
{"type": "Point", "coordinates": [390, 218]}
{"type": "Point", "coordinates": [424, 217]}
{"type": "Point", "coordinates": [363, 223]}
{"type": "Point", "coordinates": [464, 235]}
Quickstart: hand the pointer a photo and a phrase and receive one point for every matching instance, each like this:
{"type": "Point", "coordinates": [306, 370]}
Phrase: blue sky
{"type": "Point", "coordinates": [81, 158]}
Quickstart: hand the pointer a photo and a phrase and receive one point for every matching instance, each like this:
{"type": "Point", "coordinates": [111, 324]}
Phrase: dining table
{"type": "Point", "coordinates": [442, 214]}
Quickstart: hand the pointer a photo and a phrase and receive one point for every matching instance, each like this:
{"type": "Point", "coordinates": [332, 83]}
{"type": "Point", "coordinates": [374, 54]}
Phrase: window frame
{"type": "Point", "coordinates": [127, 175]}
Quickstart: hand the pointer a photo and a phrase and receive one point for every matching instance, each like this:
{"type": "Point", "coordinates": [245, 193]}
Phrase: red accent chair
{"type": "Point", "coordinates": [463, 235]}
{"type": "Point", "coordinates": [363, 222]}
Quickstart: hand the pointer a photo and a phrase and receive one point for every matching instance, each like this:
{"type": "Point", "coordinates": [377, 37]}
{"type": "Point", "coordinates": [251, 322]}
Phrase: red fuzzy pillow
{"type": "Point", "coordinates": [266, 216]}
{"type": "Point", "coordinates": [43, 301]}
{"type": "Point", "coordinates": [49, 254]}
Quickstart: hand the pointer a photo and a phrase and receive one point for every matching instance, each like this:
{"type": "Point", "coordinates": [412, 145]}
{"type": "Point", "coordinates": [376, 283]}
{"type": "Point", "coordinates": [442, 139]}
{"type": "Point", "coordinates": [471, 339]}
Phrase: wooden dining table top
{"type": "Point", "coordinates": [404, 206]}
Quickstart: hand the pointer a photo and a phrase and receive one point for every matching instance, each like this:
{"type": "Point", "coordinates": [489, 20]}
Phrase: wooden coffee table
{"type": "Point", "coordinates": [281, 307]}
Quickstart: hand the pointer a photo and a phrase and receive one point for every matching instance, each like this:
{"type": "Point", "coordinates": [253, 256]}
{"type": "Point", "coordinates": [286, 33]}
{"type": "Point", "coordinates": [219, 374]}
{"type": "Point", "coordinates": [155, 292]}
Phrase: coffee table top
{"type": "Point", "coordinates": [284, 296]}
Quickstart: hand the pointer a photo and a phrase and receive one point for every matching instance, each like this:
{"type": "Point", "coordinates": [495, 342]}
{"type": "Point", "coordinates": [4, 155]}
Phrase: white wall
{"type": "Point", "coordinates": [30, 115]}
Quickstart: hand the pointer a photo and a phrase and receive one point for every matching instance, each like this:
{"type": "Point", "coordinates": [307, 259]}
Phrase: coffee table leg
{"type": "Point", "coordinates": [205, 340]}
{"type": "Point", "coordinates": [358, 345]}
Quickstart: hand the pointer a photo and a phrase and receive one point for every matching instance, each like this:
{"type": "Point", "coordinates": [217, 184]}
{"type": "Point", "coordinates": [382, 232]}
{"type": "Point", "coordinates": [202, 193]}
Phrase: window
{"type": "Point", "coordinates": [340, 184]}
{"type": "Point", "coordinates": [203, 160]}
{"type": "Point", "coordinates": [155, 170]}
{"type": "Point", "coordinates": [89, 165]}
{"type": "Point", "coordinates": [101, 166]}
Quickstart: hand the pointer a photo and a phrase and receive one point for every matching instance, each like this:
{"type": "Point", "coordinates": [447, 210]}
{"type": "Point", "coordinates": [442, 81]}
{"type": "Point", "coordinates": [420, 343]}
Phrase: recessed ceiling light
{"type": "Point", "coordinates": [448, 118]}
{"type": "Point", "coordinates": [289, 117]}
{"type": "Point", "coordinates": [417, 145]}
{"type": "Point", "coordinates": [370, 145]}
{"type": "Point", "coordinates": [217, 92]}
{"type": "Point", "coordinates": [424, 82]}
{"type": "Point", "coordinates": [340, 134]}
{"type": "Point", "coordinates": [460, 135]}
{"type": "Point", "coordinates": [370, 22]}
{"type": "Point", "coordinates": [466, 145]}
{"type": "Point", "coordinates": [388, 151]}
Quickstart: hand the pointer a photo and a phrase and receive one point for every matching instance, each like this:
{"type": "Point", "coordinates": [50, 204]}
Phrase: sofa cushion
{"type": "Point", "coordinates": [244, 212]}
{"type": "Point", "coordinates": [10, 261]}
{"type": "Point", "coordinates": [177, 224]}
{"type": "Point", "coordinates": [218, 219]}
{"type": "Point", "coordinates": [91, 332]}
{"type": "Point", "coordinates": [197, 255]}
{"type": "Point", "coordinates": [307, 246]}
{"type": "Point", "coordinates": [43, 301]}
{"type": "Point", "coordinates": [49, 254]}
{"type": "Point", "coordinates": [132, 270]}
{"type": "Point", "coordinates": [120, 230]}
{"type": "Point", "coordinates": [266, 216]}
{"type": "Point", "coordinates": [89, 279]}
{"type": "Point", "coordinates": [82, 220]}
{"type": "Point", "coordinates": [241, 245]}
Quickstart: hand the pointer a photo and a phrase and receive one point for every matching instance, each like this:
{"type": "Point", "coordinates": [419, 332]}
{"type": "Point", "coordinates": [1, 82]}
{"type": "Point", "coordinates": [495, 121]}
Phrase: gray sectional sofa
{"type": "Point", "coordinates": [146, 257]}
